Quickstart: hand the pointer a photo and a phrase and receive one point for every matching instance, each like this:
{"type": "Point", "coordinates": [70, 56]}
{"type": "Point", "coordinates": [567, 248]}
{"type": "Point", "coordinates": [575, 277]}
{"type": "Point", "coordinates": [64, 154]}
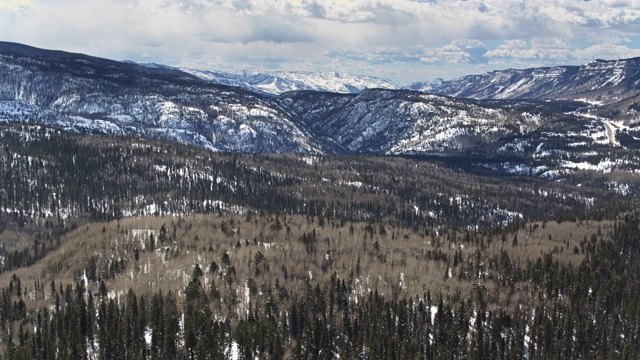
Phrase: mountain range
{"type": "Point", "coordinates": [548, 122]}
{"type": "Point", "coordinates": [281, 82]}
{"type": "Point", "coordinates": [598, 82]}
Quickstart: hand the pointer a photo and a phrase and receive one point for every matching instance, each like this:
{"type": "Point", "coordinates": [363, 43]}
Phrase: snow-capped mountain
{"type": "Point", "coordinates": [601, 82]}
{"type": "Point", "coordinates": [280, 82]}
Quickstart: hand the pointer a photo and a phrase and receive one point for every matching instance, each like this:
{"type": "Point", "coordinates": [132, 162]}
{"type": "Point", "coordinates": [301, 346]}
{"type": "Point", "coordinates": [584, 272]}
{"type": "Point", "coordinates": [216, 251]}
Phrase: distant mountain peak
{"type": "Point", "coordinates": [278, 82]}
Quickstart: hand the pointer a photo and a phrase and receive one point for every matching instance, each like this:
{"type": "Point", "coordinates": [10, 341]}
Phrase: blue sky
{"type": "Point", "coordinates": [402, 40]}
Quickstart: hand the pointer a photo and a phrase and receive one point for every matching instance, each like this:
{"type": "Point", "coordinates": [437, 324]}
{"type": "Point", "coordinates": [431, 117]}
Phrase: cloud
{"type": "Point", "coordinates": [608, 51]}
{"type": "Point", "coordinates": [457, 52]}
{"type": "Point", "coordinates": [558, 50]}
{"type": "Point", "coordinates": [356, 35]}
{"type": "Point", "coordinates": [277, 29]}
{"type": "Point", "coordinates": [14, 5]}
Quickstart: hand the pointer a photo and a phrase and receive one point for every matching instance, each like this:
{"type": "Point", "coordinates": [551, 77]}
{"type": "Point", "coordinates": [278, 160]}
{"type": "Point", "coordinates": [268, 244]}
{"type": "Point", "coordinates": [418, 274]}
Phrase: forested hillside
{"type": "Point", "coordinates": [129, 248]}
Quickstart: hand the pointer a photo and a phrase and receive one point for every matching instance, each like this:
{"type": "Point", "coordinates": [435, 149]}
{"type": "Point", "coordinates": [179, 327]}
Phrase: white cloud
{"type": "Point", "coordinates": [608, 51]}
{"type": "Point", "coordinates": [14, 5]}
{"type": "Point", "coordinates": [378, 36]}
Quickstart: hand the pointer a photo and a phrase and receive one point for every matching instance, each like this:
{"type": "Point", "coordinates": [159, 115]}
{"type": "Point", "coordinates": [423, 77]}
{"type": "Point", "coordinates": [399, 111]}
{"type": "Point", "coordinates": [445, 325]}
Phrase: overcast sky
{"type": "Point", "coordinates": [402, 40]}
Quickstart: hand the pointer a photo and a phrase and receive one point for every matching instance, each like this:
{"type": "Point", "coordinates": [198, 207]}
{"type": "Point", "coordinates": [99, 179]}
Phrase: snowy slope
{"type": "Point", "coordinates": [403, 122]}
{"type": "Point", "coordinates": [600, 81]}
{"type": "Point", "coordinates": [80, 93]}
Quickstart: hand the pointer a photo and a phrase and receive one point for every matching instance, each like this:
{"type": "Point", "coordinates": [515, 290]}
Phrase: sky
{"type": "Point", "coordinates": [401, 40]}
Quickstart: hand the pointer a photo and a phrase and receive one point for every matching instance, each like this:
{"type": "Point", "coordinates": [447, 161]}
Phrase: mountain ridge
{"type": "Point", "coordinates": [600, 81]}
{"type": "Point", "coordinates": [22, 49]}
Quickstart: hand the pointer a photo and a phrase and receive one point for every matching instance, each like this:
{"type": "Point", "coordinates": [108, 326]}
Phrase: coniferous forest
{"type": "Point", "coordinates": [129, 248]}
